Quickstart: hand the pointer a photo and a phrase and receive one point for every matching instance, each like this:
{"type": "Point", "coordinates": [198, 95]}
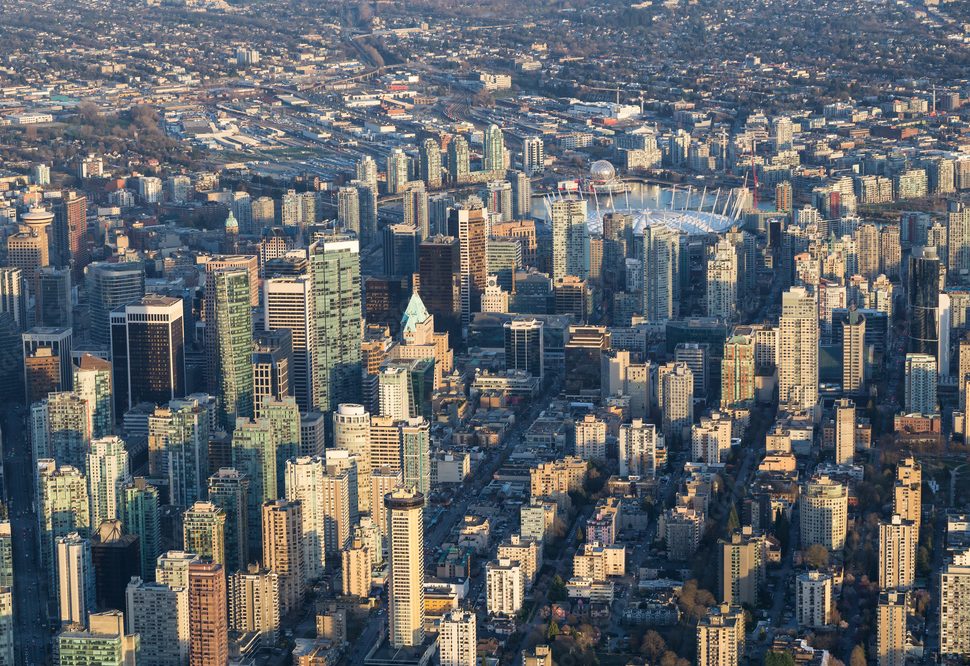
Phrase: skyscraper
{"type": "Point", "coordinates": [920, 382]}
{"type": "Point", "coordinates": [844, 431]}
{"type": "Point", "coordinates": [469, 226]}
{"type": "Point", "coordinates": [54, 306]}
{"type": "Point", "coordinates": [430, 162]}
{"type": "Point", "coordinates": [416, 454]}
{"type": "Point", "coordinates": [367, 198]}
{"type": "Point", "coordinates": [400, 250]}
{"type": "Point", "coordinates": [159, 614]}
{"type": "Point", "coordinates": [458, 639]}
{"type": "Point", "coordinates": [148, 352]}
{"type": "Point", "coordinates": [638, 445]}
{"type": "Point", "coordinates": [677, 401]}
{"type": "Point", "coordinates": [104, 642]}
{"type": "Point", "coordinates": [533, 155]}
{"type": "Point", "coordinates": [229, 491]}
{"type": "Point", "coordinates": [897, 554]}
{"type": "Point", "coordinates": [743, 561]}
{"type": "Point", "coordinates": [367, 171]}
{"type": "Point", "coordinates": [271, 358]}
{"type": "Point", "coordinates": [524, 346]}
{"type": "Point", "coordinates": [60, 428]}
{"type": "Point", "coordinates": [494, 149]}
{"type": "Point", "coordinates": [288, 304]}
{"type": "Point", "coordinates": [140, 515]}
{"type": "Point", "coordinates": [908, 491]}
{"type": "Point", "coordinates": [208, 621]}
{"type": "Point", "coordinates": [178, 440]}
{"type": "Point", "coordinates": [458, 160]}
{"type": "Point", "coordinates": [415, 207]}
{"type": "Point", "coordinates": [661, 273]}
{"type": "Point", "coordinates": [720, 637]}
{"type": "Point", "coordinates": [283, 549]}
{"type": "Point", "coordinates": [824, 512]}
{"type": "Point", "coordinates": [335, 273]}
{"type": "Point", "coordinates": [738, 370]}
{"type": "Point", "coordinates": [62, 508]}
{"type": "Point", "coordinates": [254, 454]}
{"type": "Point", "coordinates": [439, 268]}
{"type": "Point", "coordinates": [397, 171]}
{"type": "Point", "coordinates": [306, 484]}
{"type": "Point", "coordinates": [28, 249]}
{"type": "Point", "coordinates": [110, 286]}
{"type": "Point", "coordinates": [798, 350]}
{"type": "Point", "coordinates": [891, 612]}
{"type": "Point", "coordinates": [405, 612]}
{"type": "Point", "coordinates": [853, 353]}
{"type": "Point", "coordinates": [722, 282]}
{"type": "Point", "coordinates": [69, 233]}
{"type": "Point", "coordinates": [60, 342]}
{"type": "Point", "coordinates": [229, 342]}
{"type": "Point", "coordinates": [92, 383]}
{"type": "Point", "coordinates": [348, 209]}
{"type": "Point", "coordinates": [108, 474]}
{"type": "Point", "coordinates": [570, 239]}
{"type": "Point", "coordinates": [924, 302]}
{"type": "Point", "coordinates": [204, 531]}
{"type": "Point", "coordinates": [254, 603]}
{"type": "Point", "coordinates": [75, 579]}
{"type": "Point", "coordinates": [13, 295]}
{"type": "Point", "coordinates": [351, 433]}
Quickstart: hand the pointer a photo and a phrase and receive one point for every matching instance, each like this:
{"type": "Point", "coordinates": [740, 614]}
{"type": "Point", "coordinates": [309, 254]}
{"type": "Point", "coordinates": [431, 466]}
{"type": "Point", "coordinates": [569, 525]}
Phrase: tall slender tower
{"type": "Point", "coordinates": [108, 474]}
{"type": "Point", "coordinates": [283, 549]}
{"type": "Point", "coordinates": [288, 303]}
{"type": "Point", "coordinates": [458, 160]}
{"type": "Point", "coordinates": [229, 490]}
{"type": "Point", "coordinates": [431, 163]}
{"type": "Point", "coordinates": [844, 431]}
{"type": "Point", "coordinates": [469, 226]}
{"type": "Point", "coordinates": [69, 233]}
{"type": "Point", "coordinates": [229, 341]}
{"type": "Point", "coordinates": [661, 273]}
{"type": "Point", "coordinates": [722, 282]}
{"type": "Point", "coordinates": [335, 272]}
{"type": "Point", "coordinates": [75, 579]}
{"type": "Point", "coordinates": [494, 158]}
{"type": "Point", "coordinates": [570, 239]}
{"type": "Point", "coordinates": [853, 353]}
{"type": "Point", "coordinates": [924, 302]}
{"type": "Point", "coordinates": [208, 617]}
{"type": "Point", "coordinates": [405, 615]}
{"type": "Point", "coordinates": [798, 350]}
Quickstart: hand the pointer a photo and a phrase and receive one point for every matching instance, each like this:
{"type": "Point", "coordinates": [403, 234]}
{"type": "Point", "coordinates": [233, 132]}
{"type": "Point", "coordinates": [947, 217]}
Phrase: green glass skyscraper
{"type": "Point", "coordinates": [254, 454]}
{"type": "Point", "coordinates": [233, 343]}
{"type": "Point", "coordinates": [335, 270]}
{"type": "Point", "coordinates": [140, 517]}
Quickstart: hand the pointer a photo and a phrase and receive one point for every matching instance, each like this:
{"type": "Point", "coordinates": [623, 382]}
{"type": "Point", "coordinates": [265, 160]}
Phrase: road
{"type": "Point", "coordinates": [30, 589]}
{"type": "Point", "coordinates": [447, 521]}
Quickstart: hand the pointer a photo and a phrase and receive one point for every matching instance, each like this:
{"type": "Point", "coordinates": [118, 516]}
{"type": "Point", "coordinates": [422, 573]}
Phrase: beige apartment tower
{"type": "Point", "coordinates": [405, 611]}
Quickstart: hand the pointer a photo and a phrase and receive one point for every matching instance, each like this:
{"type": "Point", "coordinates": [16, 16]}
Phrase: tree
{"type": "Point", "coordinates": [858, 657]}
{"type": "Point", "coordinates": [552, 631]}
{"type": "Point", "coordinates": [734, 523]}
{"type": "Point", "coordinates": [779, 659]}
{"type": "Point", "coordinates": [653, 646]}
{"type": "Point", "coordinates": [557, 590]}
{"type": "Point", "coordinates": [817, 556]}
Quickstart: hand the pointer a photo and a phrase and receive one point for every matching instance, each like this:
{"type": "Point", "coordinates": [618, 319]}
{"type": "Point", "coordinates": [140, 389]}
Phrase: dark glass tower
{"type": "Point", "coordinates": [924, 302]}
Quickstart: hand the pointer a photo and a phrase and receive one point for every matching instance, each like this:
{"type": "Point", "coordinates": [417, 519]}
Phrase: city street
{"type": "Point", "coordinates": [32, 635]}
